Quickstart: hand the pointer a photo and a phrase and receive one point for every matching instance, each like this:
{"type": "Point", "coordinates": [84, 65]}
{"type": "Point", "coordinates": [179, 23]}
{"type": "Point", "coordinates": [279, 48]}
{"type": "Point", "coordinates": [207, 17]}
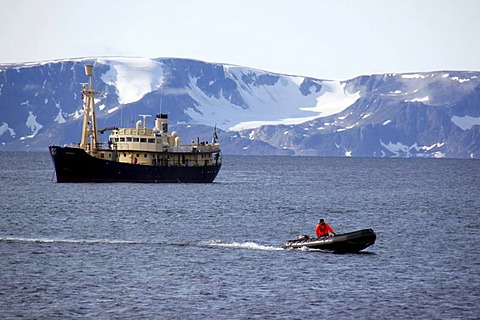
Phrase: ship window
{"type": "Point", "coordinates": [129, 139]}
{"type": "Point", "coordinates": [138, 155]}
{"type": "Point", "coordinates": [143, 139]}
{"type": "Point", "coordinates": [151, 140]}
{"type": "Point", "coordinates": [116, 139]}
{"type": "Point", "coordinates": [144, 155]}
{"type": "Point", "coordinates": [125, 155]}
{"type": "Point", "coordinates": [122, 139]}
{"type": "Point", "coordinates": [135, 139]}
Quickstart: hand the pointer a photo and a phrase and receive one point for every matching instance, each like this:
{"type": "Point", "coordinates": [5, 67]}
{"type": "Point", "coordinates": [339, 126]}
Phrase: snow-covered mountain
{"type": "Point", "coordinates": [434, 114]}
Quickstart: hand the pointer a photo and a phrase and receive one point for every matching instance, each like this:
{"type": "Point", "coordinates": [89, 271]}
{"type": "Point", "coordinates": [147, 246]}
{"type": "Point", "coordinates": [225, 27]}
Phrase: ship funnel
{"type": "Point", "coordinates": [161, 122]}
{"type": "Point", "coordinates": [89, 70]}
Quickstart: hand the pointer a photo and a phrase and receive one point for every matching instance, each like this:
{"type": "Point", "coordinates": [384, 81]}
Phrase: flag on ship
{"type": "Point", "coordinates": [215, 137]}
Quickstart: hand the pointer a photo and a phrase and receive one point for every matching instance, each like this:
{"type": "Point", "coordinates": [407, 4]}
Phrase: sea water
{"type": "Point", "coordinates": [213, 251]}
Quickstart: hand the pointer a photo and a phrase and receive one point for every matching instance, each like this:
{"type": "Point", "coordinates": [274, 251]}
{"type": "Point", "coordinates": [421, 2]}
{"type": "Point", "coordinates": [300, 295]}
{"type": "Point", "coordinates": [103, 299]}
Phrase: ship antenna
{"type": "Point", "coordinates": [144, 119]}
{"type": "Point", "coordinates": [161, 99]}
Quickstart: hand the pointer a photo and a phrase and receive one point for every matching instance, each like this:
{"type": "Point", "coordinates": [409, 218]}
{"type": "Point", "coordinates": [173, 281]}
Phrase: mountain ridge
{"type": "Point", "coordinates": [428, 114]}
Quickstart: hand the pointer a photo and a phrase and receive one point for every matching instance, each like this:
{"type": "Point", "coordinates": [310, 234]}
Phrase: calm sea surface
{"type": "Point", "coordinates": [213, 251]}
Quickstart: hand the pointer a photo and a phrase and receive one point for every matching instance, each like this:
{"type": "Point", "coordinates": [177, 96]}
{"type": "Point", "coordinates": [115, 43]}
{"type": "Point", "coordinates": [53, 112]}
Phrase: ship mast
{"type": "Point", "coordinates": [89, 111]}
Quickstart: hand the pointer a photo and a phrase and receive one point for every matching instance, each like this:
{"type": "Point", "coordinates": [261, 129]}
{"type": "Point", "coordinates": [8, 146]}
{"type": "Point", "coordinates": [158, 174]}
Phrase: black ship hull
{"type": "Point", "coordinates": [76, 165]}
{"type": "Point", "coordinates": [342, 243]}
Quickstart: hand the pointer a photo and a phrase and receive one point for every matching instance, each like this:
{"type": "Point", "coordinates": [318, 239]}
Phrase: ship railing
{"type": "Point", "coordinates": [178, 149]}
{"type": "Point", "coordinates": [186, 148]}
{"type": "Point", "coordinates": [88, 147]}
{"type": "Point", "coordinates": [196, 148]}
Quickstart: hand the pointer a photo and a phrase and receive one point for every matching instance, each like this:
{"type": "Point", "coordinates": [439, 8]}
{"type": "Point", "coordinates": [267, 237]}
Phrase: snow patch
{"type": "Point", "coordinates": [133, 77]}
{"type": "Point", "coordinates": [333, 99]}
{"type": "Point", "coordinates": [59, 118]}
{"type": "Point", "coordinates": [424, 99]}
{"type": "Point", "coordinates": [414, 76]}
{"type": "Point", "coordinates": [459, 79]}
{"type": "Point", "coordinates": [5, 128]}
{"type": "Point", "coordinates": [346, 128]}
{"type": "Point", "coordinates": [396, 148]}
{"type": "Point", "coordinates": [33, 125]}
{"type": "Point", "coordinates": [400, 149]}
{"type": "Point", "coordinates": [435, 145]}
{"type": "Point", "coordinates": [113, 109]}
{"type": "Point", "coordinates": [465, 122]}
{"type": "Point", "coordinates": [77, 114]}
{"type": "Point", "coordinates": [292, 107]}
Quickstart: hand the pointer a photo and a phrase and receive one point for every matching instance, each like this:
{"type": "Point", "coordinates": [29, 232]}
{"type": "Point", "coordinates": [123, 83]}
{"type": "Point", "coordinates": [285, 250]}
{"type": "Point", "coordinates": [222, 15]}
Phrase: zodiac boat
{"type": "Point", "coordinates": [341, 243]}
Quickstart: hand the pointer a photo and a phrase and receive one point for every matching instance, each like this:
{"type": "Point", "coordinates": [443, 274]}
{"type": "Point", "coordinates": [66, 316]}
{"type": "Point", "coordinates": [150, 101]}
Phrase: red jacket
{"type": "Point", "coordinates": [323, 229]}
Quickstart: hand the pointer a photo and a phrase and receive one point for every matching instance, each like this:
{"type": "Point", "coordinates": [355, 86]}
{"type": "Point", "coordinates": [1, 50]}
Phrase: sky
{"type": "Point", "coordinates": [325, 39]}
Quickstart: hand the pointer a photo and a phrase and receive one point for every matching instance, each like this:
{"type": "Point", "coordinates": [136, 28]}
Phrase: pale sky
{"type": "Point", "coordinates": [326, 39]}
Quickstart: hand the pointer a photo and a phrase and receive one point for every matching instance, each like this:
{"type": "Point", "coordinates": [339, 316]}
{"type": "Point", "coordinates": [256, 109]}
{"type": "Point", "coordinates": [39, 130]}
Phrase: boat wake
{"type": "Point", "coordinates": [240, 245]}
{"type": "Point", "coordinates": [80, 241]}
{"type": "Point", "coordinates": [250, 245]}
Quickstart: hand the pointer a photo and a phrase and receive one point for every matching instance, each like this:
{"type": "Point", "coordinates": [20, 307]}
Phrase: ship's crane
{"type": "Point", "coordinates": [102, 131]}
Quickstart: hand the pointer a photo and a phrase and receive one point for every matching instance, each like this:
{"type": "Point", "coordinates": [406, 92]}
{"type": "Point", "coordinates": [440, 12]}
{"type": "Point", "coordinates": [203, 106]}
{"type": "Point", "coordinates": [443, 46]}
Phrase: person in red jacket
{"type": "Point", "coordinates": [323, 229]}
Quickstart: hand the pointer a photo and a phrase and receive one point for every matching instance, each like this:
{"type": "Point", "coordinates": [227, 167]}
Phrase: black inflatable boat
{"type": "Point", "coordinates": [342, 243]}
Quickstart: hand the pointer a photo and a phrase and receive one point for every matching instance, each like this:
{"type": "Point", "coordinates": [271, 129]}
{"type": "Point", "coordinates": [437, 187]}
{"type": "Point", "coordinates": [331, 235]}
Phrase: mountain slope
{"type": "Point", "coordinates": [423, 115]}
